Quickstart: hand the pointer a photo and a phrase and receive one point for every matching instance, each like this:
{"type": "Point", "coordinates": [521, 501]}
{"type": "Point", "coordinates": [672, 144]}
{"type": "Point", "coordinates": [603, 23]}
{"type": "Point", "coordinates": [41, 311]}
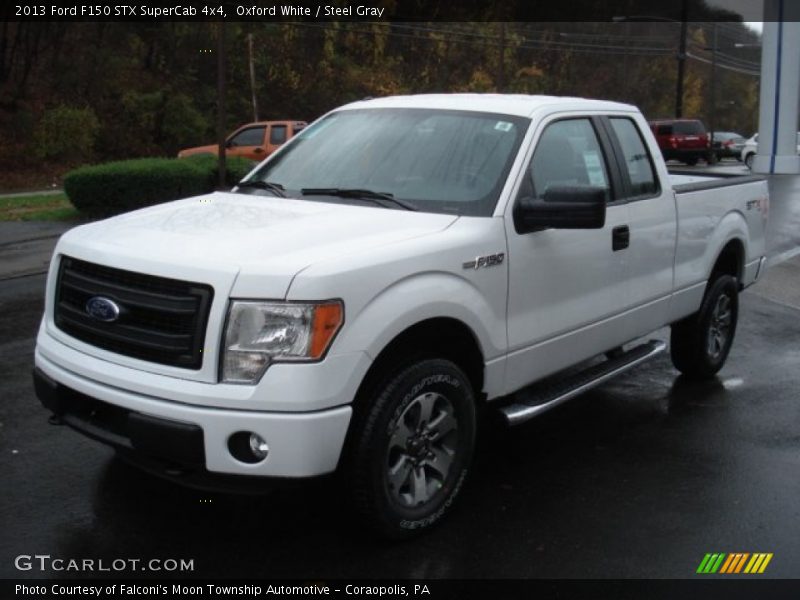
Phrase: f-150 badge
{"type": "Point", "coordinates": [490, 260]}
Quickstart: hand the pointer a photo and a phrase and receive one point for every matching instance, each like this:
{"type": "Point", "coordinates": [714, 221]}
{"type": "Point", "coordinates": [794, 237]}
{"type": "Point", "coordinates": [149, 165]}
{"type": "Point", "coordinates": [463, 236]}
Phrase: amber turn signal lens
{"type": "Point", "coordinates": [328, 319]}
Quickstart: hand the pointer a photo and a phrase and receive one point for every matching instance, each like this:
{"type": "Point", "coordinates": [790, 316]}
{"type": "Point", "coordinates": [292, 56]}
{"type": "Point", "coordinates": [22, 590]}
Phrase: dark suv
{"type": "Point", "coordinates": [685, 140]}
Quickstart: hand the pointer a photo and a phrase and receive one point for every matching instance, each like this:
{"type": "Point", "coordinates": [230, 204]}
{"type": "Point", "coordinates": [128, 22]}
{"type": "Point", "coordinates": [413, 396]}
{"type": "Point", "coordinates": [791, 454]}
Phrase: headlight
{"type": "Point", "coordinates": [259, 333]}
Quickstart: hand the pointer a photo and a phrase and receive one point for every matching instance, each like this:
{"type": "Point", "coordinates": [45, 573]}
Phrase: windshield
{"type": "Point", "coordinates": [435, 160]}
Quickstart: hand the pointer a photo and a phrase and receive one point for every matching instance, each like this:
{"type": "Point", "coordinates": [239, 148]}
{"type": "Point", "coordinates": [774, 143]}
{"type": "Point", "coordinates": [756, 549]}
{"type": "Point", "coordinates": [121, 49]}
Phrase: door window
{"type": "Point", "coordinates": [253, 136]}
{"type": "Point", "coordinates": [638, 163]}
{"type": "Point", "coordinates": [568, 155]}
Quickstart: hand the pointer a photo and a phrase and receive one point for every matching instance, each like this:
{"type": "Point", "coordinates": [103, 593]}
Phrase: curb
{"type": "Point", "coordinates": [782, 257]}
{"type": "Point", "coordinates": [21, 275]}
{"type": "Point", "coordinates": [48, 192]}
{"type": "Point", "coordinates": [27, 240]}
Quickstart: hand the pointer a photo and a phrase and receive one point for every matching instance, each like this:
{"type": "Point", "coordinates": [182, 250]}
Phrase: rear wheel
{"type": "Point", "coordinates": [700, 343]}
{"type": "Point", "coordinates": [412, 448]}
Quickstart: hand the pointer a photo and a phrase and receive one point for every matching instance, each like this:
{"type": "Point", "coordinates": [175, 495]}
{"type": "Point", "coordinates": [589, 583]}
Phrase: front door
{"type": "Point", "coordinates": [248, 142]}
{"type": "Point", "coordinates": [566, 287]}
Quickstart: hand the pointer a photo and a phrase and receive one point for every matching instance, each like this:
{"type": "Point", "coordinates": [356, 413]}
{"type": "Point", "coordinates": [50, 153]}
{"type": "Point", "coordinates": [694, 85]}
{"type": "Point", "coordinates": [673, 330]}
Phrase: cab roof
{"type": "Point", "coordinates": [511, 104]}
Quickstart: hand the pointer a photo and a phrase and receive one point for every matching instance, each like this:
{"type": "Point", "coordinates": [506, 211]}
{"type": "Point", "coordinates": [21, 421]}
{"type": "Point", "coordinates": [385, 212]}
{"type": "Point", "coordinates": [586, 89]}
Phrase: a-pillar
{"type": "Point", "coordinates": [780, 89]}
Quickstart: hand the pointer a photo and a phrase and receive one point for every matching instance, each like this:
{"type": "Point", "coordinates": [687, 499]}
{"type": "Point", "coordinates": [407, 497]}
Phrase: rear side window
{"type": "Point", "coordinates": [664, 130]}
{"type": "Point", "coordinates": [638, 163]}
{"type": "Point", "coordinates": [568, 154]}
{"type": "Point", "coordinates": [277, 134]}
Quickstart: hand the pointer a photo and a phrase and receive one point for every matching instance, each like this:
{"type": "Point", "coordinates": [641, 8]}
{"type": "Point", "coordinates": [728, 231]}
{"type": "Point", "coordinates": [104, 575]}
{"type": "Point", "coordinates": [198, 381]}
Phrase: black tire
{"type": "Point", "coordinates": [691, 161]}
{"type": "Point", "coordinates": [397, 468]}
{"type": "Point", "coordinates": [700, 343]}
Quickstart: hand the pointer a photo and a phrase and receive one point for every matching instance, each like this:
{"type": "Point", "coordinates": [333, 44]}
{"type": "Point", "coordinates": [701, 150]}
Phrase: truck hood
{"type": "Point", "coordinates": [259, 242]}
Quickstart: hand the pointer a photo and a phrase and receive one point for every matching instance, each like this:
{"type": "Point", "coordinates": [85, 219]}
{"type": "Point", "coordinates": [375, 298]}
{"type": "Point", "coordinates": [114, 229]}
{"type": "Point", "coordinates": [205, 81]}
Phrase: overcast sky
{"type": "Point", "coordinates": [752, 11]}
{"type": "Point", "coordinates": [757, 26]}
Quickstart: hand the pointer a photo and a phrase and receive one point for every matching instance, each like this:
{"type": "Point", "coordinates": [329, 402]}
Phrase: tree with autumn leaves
{"type": "Point", "coordinates": [141, 89]}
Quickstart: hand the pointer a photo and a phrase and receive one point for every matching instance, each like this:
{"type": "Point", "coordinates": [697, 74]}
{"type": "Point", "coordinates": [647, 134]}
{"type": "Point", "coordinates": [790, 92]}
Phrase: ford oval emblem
{"type": "Point", "coordinates": [102, 309]}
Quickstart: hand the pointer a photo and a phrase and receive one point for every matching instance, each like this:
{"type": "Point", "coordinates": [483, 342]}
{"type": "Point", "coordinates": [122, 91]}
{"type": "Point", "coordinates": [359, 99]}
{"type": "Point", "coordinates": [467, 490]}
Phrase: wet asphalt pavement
{"type": "Point", "coordinates": [639, 478]}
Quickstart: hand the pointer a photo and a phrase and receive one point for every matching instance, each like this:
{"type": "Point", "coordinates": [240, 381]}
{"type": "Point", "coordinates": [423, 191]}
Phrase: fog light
{"type": "Point", "coordinates": [258, 446]}
{"type": "Point", "coordinates": [248, 447]}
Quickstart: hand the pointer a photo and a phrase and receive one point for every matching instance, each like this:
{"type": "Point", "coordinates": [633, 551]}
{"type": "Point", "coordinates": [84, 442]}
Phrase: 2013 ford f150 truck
{"type": "Point", "coordinates": [363, 292]}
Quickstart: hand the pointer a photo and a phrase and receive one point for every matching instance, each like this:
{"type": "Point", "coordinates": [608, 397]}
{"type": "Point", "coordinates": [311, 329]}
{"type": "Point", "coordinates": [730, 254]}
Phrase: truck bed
{"type": "Point", "coordinates": [692, 181]}
{"type": "Point", "coordinates": [711, 210]}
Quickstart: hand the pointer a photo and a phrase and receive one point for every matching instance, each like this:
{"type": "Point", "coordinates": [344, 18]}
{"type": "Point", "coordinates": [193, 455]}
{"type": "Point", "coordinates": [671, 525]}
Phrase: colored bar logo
{"type": "Point", "coordinates": [734, 563]}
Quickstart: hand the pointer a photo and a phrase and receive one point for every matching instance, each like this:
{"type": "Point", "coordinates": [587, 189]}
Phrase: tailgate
{"type": "Point", "coordinates": [691, 142]}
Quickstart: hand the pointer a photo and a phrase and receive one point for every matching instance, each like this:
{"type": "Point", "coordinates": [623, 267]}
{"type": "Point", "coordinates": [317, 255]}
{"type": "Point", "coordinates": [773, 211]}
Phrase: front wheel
{"type": "Point", "coordinates": [748, 161]}
{"type": "Point", "coordinates": [412, 449]}
{"type": "Point", "coordinates": [700, 343]}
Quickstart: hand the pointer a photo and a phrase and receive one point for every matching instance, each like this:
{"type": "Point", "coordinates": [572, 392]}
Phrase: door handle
{"type": "Point", "coordinates": [620, 237]}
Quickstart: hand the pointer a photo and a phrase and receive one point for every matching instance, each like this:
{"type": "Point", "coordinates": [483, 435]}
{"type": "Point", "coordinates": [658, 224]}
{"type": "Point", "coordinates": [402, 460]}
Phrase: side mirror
{"type": "Point", "coordinates": [564, 207]}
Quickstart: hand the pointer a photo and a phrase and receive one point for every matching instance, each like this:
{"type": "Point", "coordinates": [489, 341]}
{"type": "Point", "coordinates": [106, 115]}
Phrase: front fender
{"type": "Point", "coordinates": [426, 296]}
{"type": "Point", "coordinates": [418, 298]}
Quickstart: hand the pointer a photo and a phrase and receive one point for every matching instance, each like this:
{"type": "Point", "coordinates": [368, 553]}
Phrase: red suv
{"type": "Point", "coordinates": [685, 140]}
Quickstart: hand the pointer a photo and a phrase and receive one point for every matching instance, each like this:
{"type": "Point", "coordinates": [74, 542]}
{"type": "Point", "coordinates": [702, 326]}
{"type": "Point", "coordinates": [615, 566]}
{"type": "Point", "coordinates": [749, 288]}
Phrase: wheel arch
{"type": "Point", "coordinates": [439, 337]}
{"type": "Point", "coordinates": [730, 260]}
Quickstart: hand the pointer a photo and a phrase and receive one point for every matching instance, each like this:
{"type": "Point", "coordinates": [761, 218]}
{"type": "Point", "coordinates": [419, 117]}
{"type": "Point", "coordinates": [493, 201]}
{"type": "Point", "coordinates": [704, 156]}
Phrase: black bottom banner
{"type": "Point", "coordinates": [685, 589]}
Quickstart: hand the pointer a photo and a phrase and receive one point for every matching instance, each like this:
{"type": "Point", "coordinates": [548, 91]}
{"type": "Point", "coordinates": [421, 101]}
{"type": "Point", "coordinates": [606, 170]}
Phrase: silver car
{"type": "Point", "coordinates": [728, 144]}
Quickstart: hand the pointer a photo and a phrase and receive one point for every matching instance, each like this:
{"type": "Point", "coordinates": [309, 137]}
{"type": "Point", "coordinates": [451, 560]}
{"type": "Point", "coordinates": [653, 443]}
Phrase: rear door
{"type": "Point", "coordinates": [278, 134]}
{"type": "Point", "coordinates": [664, 133]}
{"type": "Point", "coordinates": [651, 220]}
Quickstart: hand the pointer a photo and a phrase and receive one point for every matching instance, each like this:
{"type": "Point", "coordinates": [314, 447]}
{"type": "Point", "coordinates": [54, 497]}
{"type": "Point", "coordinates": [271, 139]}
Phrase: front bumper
{"type": "Point", "coordinates": [190, 437]}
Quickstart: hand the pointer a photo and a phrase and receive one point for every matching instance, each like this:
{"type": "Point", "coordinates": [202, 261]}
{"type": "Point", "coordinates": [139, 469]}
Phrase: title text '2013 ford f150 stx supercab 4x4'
{"type": "Point", "coordinates": [400, 263]}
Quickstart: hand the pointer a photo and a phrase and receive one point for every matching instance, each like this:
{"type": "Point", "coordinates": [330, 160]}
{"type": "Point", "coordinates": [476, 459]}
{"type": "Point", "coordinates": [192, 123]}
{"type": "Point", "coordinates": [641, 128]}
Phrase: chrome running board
{"type": "Point", "coordinates": [534, 401]}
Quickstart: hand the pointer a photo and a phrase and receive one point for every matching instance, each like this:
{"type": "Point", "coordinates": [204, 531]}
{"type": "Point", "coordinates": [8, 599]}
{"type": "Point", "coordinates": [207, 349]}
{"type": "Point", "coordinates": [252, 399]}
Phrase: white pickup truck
{"type": "Point", "coordinates": [399, 265]}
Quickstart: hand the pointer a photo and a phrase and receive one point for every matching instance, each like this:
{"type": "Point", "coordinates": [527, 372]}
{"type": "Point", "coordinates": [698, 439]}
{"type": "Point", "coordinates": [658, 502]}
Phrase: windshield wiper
{"type": "Point", "coordinates": [359, 194]}
{"type": "Point", "coordinates": [275, 188]}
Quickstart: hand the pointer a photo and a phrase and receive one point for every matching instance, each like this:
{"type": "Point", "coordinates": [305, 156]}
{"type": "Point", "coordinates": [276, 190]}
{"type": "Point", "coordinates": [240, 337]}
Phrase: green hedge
{"type": "Point", "coordinates": [116, 187]}
{"type": "Point", "coordinates": [236, 167]}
